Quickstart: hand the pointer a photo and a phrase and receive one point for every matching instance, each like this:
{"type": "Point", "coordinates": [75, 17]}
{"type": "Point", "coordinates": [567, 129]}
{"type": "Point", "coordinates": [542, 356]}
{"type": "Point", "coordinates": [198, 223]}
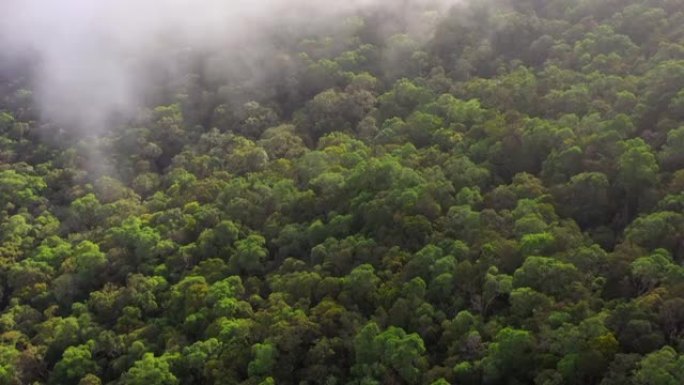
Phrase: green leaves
{"type": "Point", "coordinates": [637, 165]}
{"type": "Point", "coordinates": [265, 356]}
{"type": "Point", "coordinates": [663, 367]}
{"type": "Point", "coordinates": [509, 357]}
{"type": "Point", "coordinates": [655, 269]}
{"type": "Point", "coordinates": [490, 194]}
{"type": "Point", "coordinates": [250, 254]}
{"type": "Point", "coordinates": [150, 370]}
{"type": "Point", "coordinates": [8, 356]}
{"type": "Point", "coordinates": [18, 189]}
{"type": "Point", "coordinates": [89, 260]}
{"type": "Point", "coordinates": [76, 363]}
{"type": "Point", "coordinates": [393, 349]}
{"type": "Point", "coordinates": [659, 229]}
{"type": "Point", "coordinates": [586, 198]}
{"type": "Point", "coordinates": [546, 275]}
{"type": "Point", "coordinates": [671, 156]}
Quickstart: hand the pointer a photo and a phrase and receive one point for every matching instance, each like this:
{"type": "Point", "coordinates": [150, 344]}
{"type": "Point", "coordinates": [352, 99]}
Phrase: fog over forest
{"type": "Point", "coordinates": [362, 192]}
{"type": "Point", "coordinates": [109, 54]}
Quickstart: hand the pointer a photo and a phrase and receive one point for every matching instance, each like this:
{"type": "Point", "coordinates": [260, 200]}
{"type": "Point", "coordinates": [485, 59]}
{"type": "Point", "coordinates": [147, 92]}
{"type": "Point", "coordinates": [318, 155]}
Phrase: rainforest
{"type": "Point", "coordinates": [370, 192]}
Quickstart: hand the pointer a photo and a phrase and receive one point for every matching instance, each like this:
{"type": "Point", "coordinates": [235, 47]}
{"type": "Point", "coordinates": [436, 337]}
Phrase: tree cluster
{"type": "Point", "coordinates": [499, 203]}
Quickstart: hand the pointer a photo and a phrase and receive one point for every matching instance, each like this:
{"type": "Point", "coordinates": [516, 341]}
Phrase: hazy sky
{"type": "Point", "coordinates": [93, 54]}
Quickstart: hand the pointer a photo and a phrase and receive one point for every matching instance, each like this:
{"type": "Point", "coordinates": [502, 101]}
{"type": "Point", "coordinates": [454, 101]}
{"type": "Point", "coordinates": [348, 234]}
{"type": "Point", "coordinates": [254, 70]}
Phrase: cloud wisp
{"type": "Point", "coordinates": [96, 59]}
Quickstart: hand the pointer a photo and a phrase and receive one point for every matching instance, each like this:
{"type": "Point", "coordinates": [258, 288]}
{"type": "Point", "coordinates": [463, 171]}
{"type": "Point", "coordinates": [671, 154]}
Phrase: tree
{"type": "Point", "coordinates": [76, 363]}
{"type": "Point", "coordinates": [168, 131]}
{"type": "Point", "coordinates": [637, 171]}
{"type": "Point", "coordinates": [265, 357]}
{"type": "Point", "coordinates": [546, 275]}
{"type": "Point", "coordinates": [495, 286]}
{"type": "Point", "coordinates": [404, 97]}
{"type": "Point", "coordinates": [187, 298]}
{"type": "Point", "coordinates": [150, 370]}
{"type": "Point", "coordinates": [18, 189]}
{"type": "Point", "coordinates": [670, 157]}
{"type": "Point", "coordinates": [526, 303]}
{"type": "Point", "coordinates": [85, 212]}
{"type": "Point", "coordinates": [332, 110]}
{"type": "Point", "coordinates": [8, 374]}
{"type": "Point", "coordinates": [360, 288]}
{"type": "Point", "coordinates": [90, 379]}
{"type": "Point", "coordinates": [250, 254]}
{"type": "Point", "coordinates": [586, 198]}
{"type": "Point", "coordinates": [663, 367]}
{"type": "Point", "coordinates": [658, 229]}
{"type": "Point", "coordinates": [139, 244]}
{"type": "Point", "coordinates": [655, 269]}
{"type": "Point", "coordinates": [282, 142]}
{"type": "Point", "coordinates": [377, 353]}
{"type": "Point", "coordinates": [217, 242]}
{"type": "Point", "coordinates": [29, 279]}
{"type": "Point", "coordinates": [89, 261]}
{"type": "Point", "coordinates": [255, 118]}
{"type": "Point", "coordinates": [420, 128]}
{"type": "Point", "coordinates": [509, 358]}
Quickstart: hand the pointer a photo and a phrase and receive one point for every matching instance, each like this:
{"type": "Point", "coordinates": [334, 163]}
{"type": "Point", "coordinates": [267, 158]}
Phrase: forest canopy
{"type": "Point", "coordinates": [480, 192]}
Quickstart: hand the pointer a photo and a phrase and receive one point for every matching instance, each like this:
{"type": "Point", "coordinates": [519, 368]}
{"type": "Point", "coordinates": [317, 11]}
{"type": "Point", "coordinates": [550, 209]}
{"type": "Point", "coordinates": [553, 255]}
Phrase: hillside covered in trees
{"type": "Point", "coordinates": [491, 193]}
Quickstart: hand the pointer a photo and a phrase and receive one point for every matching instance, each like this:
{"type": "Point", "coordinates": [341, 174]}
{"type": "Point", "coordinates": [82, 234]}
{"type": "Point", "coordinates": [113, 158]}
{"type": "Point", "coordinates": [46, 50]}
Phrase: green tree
{"type": "Point", "coordinates": [509, 358]}
{"type": "Point", "coordinates": [265, 358]}
{"type": "Point", "coordinates": [250, 254]}
{"type": "Point", "coordinates": [663, 367]}
{"type": "Point", "coordinates": [76, 362]}
{"type": "Point", "coordinates": [150, 370]}
{"type": "Point", "coordinates": [8, 374]}
{"type": "Point", "coordinates": [586, 198]}
{"type": "Point", "coordinates": [658, 229]}
{"type": "Point", "coordinates": [18, 189]}
{"type": "Point", "coordinates": [393, 349]}
{"type": "Point", "coordinates": [546, 275]}
{"type": "Point", "coordinates": [655, 269]}
{"type": "Point", "coordinates": [637, 172]}
{"type": "Point", "coordinates": [670, 157]}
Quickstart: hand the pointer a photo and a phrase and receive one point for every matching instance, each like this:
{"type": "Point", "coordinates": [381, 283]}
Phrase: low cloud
{"type": "Point", "coordinates": [98, 59]}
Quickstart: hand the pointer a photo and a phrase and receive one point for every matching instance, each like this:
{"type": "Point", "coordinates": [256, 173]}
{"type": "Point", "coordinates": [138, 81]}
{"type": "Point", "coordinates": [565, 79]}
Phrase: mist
{"type": "Point", "coordinates": [95, 61]}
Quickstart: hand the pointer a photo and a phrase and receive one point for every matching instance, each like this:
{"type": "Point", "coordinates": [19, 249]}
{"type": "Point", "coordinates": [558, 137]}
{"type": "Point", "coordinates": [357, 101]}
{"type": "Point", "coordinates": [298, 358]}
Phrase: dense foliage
{"type": "Point", "coordinates": [501, 203]}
